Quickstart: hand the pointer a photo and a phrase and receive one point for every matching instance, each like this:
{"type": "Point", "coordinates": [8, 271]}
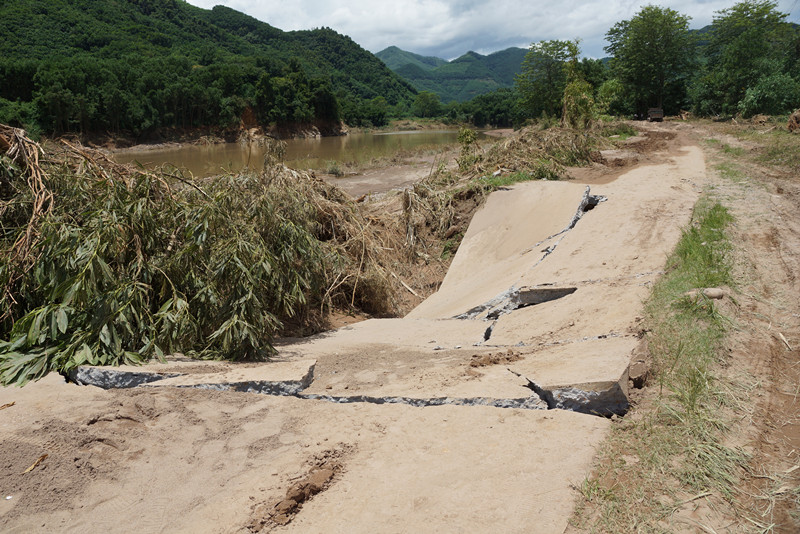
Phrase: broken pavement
{"type": "Point", "coordinates": [423, 439]}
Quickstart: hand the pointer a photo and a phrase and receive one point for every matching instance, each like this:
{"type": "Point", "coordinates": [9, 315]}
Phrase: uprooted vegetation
{"type": "Point", "coordinates": [107, 264]}
{"type": "Point", "coordinates": [545, 153]}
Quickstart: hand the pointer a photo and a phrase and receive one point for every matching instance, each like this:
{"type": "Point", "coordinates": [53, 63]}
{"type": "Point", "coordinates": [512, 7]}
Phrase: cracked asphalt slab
{"type": "Point", "coordinates": [427, 441]}
{"type": "Point", "coordinates": [536, 235]}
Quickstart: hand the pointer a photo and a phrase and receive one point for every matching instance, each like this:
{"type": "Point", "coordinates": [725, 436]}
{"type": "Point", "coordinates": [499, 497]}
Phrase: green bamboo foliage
{"type": "Point", "coordinates": [131, 265]}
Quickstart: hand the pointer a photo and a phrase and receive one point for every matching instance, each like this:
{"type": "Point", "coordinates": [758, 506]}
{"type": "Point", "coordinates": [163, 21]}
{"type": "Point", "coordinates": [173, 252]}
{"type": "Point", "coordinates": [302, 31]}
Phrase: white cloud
{"type": "Point", "coordinates": [450, 28]}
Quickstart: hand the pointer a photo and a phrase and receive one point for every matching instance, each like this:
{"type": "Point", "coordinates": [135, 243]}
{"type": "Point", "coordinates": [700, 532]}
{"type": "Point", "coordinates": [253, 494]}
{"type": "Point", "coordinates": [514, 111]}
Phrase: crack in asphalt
{"type": "Point", "coordinates": [504, 302]}
{"type": "Point", "coordinates": [527, 403]}
{"type": "Point", "coordinates": [603, 403]}
{"type": "Point", "coordinates": [608, 335]}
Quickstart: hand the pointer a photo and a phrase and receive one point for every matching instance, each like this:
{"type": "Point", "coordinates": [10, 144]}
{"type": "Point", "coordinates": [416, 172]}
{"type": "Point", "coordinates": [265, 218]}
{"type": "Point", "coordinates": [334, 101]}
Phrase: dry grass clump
{"type": "Point", "coordinates": [535, 150]}
{"type": "Point", "coordinates": [21, 156]}
{"type": "Point", "coordinates": [106, 264]}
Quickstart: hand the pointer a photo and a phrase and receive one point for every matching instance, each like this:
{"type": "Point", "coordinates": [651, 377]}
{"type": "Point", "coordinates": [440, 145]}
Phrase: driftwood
{"type": "Point", "coordinates": [407, 286]}
{"type": "Point", "coordinates": [25, 153]}
{"type": "Point", "coordinates": [794, 122]}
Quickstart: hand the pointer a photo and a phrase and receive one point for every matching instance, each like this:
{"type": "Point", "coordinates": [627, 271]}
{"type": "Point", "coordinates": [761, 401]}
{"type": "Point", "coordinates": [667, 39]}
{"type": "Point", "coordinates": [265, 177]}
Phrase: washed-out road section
{"type": "Point", "coordinates": [479, 411]}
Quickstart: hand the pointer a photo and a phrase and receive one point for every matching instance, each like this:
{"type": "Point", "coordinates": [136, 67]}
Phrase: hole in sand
{"type": "Point", "coordinates": [319, 477]}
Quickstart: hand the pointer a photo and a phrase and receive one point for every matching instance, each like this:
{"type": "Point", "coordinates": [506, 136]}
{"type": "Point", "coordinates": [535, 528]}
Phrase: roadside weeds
{"type": "Point", "coordinates": [668, 453]}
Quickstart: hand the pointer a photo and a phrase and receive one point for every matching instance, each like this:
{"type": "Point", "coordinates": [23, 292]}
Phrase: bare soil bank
{"type": "Point", "coordinates": [176, 137]}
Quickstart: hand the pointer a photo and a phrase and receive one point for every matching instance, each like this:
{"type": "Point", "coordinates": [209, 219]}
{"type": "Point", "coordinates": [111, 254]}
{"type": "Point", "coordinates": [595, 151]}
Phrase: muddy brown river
{"type": "Point", "coordinates": [319, 153]}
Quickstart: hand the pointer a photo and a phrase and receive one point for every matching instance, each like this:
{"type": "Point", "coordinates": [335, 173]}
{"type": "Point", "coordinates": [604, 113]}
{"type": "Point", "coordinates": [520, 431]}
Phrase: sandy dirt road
{"type": "Point", "coordinates": [422, 424]}
{"type": "Point", "coordinates": [764, 346]}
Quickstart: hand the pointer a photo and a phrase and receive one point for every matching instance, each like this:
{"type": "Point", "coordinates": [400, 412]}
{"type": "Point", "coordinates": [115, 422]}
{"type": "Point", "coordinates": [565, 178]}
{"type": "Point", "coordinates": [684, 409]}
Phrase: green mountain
{"type": "Point", "coordinates": [459, 80]}
{"type": "Point", "coordinates": [145, 65]}
{"type": "Point", "coordinates": [396, 58]}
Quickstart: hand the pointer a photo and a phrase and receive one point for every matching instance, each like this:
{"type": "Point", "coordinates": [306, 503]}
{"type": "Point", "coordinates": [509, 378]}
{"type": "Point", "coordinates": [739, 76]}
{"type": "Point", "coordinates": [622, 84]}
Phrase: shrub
{"type": "Point", "coordinates": [772, 95]}
{"type": "Point", "coordinates": [107, 265]}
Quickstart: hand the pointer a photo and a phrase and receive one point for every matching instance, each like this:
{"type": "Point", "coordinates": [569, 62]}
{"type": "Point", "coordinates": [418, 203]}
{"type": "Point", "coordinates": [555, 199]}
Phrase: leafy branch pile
{"type": "Point", "coordinates": [105, 264]}
{"type": "Point", "coordinates": [545, 153]}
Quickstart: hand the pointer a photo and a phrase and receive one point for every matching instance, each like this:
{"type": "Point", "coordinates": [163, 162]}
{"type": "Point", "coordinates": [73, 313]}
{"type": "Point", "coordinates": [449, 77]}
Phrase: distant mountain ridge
{"type": "Point", "coordinates": [459, 80]}
{"type": "Point", "coordinates": [396, 58]}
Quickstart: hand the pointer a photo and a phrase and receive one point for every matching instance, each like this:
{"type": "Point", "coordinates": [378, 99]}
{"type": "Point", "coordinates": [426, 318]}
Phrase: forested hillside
{"type": "Point", "coordinates": [139, 66]}
{"type": "Point", "coordinates": [459, 80]}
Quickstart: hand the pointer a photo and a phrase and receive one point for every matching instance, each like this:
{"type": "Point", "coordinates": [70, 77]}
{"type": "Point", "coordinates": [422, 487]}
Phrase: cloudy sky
{"type": "Point", "coordinates": [449, 28]}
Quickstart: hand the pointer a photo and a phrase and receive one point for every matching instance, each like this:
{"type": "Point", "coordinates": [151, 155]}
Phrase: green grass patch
{"type": "Point", "coordinates": [729, 170]}
{"type": "Point", "coordinates": [450, 246]}
{"type": "Point", "coordinates": [622, 130]}
{"type": "Point", "coordinates": [732, 150]}
{"type": "Point", "coordinates": [777, 146]}
{"type": "Point", "coordinates": [676, 449]}
{"type": "Point", "coordinates": [725, 147]}
{"type": "Point", "coordinates": [334, 169]}
{"type": "Point", "coordinates": [782, 149]}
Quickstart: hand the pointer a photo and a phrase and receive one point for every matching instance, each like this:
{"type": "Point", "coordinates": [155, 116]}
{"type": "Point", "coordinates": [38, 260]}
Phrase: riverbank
{"type": "Point", "coordinates": [410, 125]}
{"type": "Point", "coordinates": [170, 138]}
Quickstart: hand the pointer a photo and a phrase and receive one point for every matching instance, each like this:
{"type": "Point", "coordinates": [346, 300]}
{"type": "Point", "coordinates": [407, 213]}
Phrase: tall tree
{"type": "Point", "coordinates": [426, 105]}
{"type": "Point", "coordinates": [577, 102]}
{"type": "Point", "coordinates": [652, 55]}
{"type": "Point", "coordinates": [543, 78]}
{"type": "Point", "coordinates": [749, 43]}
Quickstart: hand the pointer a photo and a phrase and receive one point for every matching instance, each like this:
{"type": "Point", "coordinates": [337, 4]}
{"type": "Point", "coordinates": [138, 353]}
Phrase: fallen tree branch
{"type": "Point", "coordinates": [691, 499]}
{"type": "Point", "coordinates": [407, 286]}
{"type": "Point", "coordinates": [784, 341]}
{"type": "Point", "coordinates": [188, 182]}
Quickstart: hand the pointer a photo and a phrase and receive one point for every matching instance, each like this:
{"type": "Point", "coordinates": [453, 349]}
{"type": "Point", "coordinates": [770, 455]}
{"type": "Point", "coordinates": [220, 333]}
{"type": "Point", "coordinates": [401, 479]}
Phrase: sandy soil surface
{"type": "Point", "coordinates": [392, 177]}
{"type": "Point", "coordinates": [173, 460]}
{"type": "Point", "coordinates": [381, 180]}
{"type": "Point", "coordinates": [423, 424]}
